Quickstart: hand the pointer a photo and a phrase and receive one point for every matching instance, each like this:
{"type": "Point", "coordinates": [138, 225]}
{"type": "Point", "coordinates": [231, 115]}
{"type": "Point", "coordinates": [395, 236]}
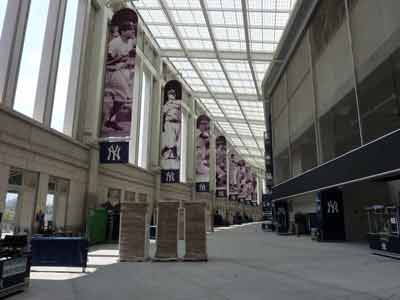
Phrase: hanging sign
{"type": "Point", "coordinates": [171, 123]}
{"type": "Point", "coordinates": [203, 154]}
{"type": "Point", "coordinates": [221, 167]}
{"type": "Point", "coordinates": [243, 180]}
{"type": "Point", "coordinates": [119, 75]}
{"type": "Point", "coordinates": [233, 171]}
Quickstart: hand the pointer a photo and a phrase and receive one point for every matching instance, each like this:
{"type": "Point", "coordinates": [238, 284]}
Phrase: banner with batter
{"type": "Point", "coordinates": [221, 168]}
{"type": "Point", "coordinates": [203, 154]}
{"type": "Point", "coordinates": [171, 123]}
{"type": "Point", "coordinates": [119, 75]}
{"type": "Point", "coordinates": [233, 175]}
{"type": "Point", "coordinates": [243, 175]}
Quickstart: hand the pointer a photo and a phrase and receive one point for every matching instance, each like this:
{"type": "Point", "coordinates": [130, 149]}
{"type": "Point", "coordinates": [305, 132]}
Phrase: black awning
{"type": "Point", "coordinates": [378, 158]}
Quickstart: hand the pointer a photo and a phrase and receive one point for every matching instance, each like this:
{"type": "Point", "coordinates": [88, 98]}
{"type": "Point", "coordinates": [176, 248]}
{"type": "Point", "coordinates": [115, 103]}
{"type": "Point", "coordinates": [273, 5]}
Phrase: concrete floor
{"type": "Point", "coordinates": [245, 263]}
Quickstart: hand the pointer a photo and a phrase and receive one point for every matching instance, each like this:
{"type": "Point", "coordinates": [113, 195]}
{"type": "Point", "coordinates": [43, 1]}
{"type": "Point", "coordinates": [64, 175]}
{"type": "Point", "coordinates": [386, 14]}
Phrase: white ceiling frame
{"type": "Point", "coordinates": [224, 55]}
{"type": "Point", "coordinates": [203, 6]}
{"type": "Point", "coordinates": [180, 41]}
{"type": "Point", "coordinates": [226, 96]}
{"type": "Point", "coordinates": [219, 26]}
{"type": "Point", "coordinates": [248, 41]}
{"type": "Point", "coordinates": [216, 9]}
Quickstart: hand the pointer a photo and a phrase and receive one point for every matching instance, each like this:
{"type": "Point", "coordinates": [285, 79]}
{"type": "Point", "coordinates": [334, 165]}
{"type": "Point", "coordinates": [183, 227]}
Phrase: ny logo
{"type": "Point", "coordinates": [114, 153]}
{"type": "Point", "coordinates": [333, 207]}
{"type": "Point", "coordinates": [170, 177]}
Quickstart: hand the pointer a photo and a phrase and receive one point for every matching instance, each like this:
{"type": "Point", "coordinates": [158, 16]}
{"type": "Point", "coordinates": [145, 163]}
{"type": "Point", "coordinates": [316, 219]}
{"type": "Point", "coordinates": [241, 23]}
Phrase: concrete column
{"type": "Point", "coordinates": [49, 63]}
{"type": "Point", "coordinates": [92, 91]}
{"type": "Point", "coordinates": [11, 45]}
{"type": "Point", "coordinates": [167, 231]}
{"type": "Point", "coordinates": [133, 238]}
{"type": "Point", "coordinates": [75, 84]}
{"type": "Point", "coordinates": [195, 231]}
{"type": "Point", "coordinates": [4, 175]}
{"type": "Point", "coordinates": [42, 190]}
{"type": "Point", "coordinates": [154, 128]}
{"type": "Point", "coordinates": [92, 195]}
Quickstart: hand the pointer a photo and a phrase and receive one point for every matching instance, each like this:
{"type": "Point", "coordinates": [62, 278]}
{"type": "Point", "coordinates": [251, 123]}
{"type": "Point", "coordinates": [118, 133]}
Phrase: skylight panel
{"type": "Point", "coordinates": [153, 16]}
{"type": "Point", "coordinates": [161, 31]}
{"type": "Point", "coordinates": [168, 43]}
{"type": "Point", "coordinates": [147, 3]}
{"type": "Point", "coordinates": [194, 32]}
{"type": "Point", "coordinates": [226, 4]}
{"type": "Point", "coordinates": [194, 17]}
{"type": "Point", "coordinates": [183, 4]}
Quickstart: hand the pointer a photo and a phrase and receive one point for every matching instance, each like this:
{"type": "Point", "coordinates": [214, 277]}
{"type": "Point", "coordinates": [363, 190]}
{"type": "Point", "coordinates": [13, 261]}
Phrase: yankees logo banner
{"type": "Point", "coordinates": [114, 152]}
{"type": "Point", "coordinates": [203, 154]}
{"type": "Point", "coordinates": [221, 168]}
{"type": "Point", "coordinates": [233, 171]}
{"type": "Point", "coordinates": [171, 122]}
{"type": "Point", "coordinates": [119, 74]}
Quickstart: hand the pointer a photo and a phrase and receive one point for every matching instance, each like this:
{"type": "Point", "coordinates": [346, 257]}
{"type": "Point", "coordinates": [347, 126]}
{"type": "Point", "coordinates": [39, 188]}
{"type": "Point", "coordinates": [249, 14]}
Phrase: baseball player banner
{"type": "Point", "coordinates": [119, 75]}
{"type": "Point", "coordinates": [233, 175]}
{"type": "Point", "coordinates": [221, 168]}
{"type": "Point", "coordinates": [254, 187]}
{"type": "Point", "coordinates": [171, 123]}
{"type": "Point", "coordinates": [203, 154]}
{"type": "Point", "coordinates": [244, 171]}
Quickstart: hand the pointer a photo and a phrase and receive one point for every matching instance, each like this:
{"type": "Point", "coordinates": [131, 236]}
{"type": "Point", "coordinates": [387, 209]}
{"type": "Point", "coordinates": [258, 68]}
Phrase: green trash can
{"type": "Point", "coordinates": [97, 225]}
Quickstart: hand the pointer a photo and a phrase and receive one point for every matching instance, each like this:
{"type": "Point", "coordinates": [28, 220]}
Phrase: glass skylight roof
{"type": "Point", "coordinates": [208, 49]}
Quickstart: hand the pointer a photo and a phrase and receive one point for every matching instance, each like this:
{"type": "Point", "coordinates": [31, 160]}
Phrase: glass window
{"type": "Point", "coordinates": [3, 8]}
{"type": "Point", "coordinates": [10, 212]}
{"type": "Point", "coordinates": [64, 66]}
{"type": "Point", "coordinates": [304, 152]}
{"type": "Point", "coordinates": [183, 147]}
{"type": "Point", "coordinates": [379, 102]}
{"type": "Point", "coordinates": [334, 81]}
{"type": "Point", "coordinates": [31, 57]}
{"type": "Point", "coordinates": [339, 128]}
{"type": "Point", "coordinates": [377, 64]}
{"type": "Point", "coordinates": [144, 120]}
{"type": "Point", "coordinates": [282, 166]}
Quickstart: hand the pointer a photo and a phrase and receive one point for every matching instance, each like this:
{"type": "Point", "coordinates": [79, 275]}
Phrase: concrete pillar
{"type": "Point", "coordinates": [133, 242]}
{"type": "Point", "coordinates": [167, 231]}
{"type": "Point", "coordinates": [42, 190]}
{"type": "Point", "coordinates": [12, 42]}
{"type": "Point", "coordinates": [195, 231]}
{"type": "Point", "coordinates": [49, 63]}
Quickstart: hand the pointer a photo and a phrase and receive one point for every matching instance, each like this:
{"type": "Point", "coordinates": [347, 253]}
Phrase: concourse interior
{"type": "Point", "coordinates": [244, 263]}
{"type": "Point", "coordinates": [199, 149]}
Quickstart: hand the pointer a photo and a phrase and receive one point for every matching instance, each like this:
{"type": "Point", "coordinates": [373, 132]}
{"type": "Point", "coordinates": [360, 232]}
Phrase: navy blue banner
{"type": "Point", "coordinates": [170, 176]}
{"type": "Point", "coordinates": [114, 152]}
{"type": "Point", "coordinates": [202, 187]}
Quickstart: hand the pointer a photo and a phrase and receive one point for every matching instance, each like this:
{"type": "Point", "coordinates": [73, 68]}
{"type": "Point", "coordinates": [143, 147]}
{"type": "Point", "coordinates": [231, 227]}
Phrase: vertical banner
{"type": "Point", "coordinates": [233, 176]}
{"type": "Point", "coordinates": [171, 122]}
{"type": "Point", "coordinates": [119, 75]}
{"type": "Point", "coordinates": [242, 180]}
{"type": "Point", "coordinates": [203, 154]}
{"type": "Point", "coordinates": [221, 167]}
{"type": "Point", "coordinates": [254, 191]}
